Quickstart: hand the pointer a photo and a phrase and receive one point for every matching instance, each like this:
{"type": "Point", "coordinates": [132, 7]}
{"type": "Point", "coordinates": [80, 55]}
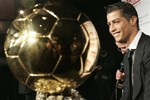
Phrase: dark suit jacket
{"type": "Point", "coordinates": [141, 72]}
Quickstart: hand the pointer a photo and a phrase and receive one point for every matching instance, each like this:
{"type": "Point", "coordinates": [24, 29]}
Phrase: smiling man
{"type": "Point", "coordinates": [123, 22]}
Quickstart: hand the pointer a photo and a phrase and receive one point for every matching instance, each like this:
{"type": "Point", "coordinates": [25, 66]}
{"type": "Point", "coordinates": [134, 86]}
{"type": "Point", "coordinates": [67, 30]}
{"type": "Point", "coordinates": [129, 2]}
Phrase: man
{"type": "Point", "coordinates": [123, 22]}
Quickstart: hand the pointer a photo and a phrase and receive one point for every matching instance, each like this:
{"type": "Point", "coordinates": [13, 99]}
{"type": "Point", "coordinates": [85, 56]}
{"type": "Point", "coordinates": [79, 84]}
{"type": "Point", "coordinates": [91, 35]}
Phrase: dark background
{"type": "Point", "coordinates": [96, 87]}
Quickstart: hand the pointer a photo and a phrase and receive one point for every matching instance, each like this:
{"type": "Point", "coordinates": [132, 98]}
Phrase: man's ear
{"type": "Point", "coordinates": [133, 20]}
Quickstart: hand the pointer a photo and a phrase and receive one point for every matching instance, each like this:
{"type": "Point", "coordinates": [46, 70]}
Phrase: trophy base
{"type": "Point", "coordinates": [74, 95]}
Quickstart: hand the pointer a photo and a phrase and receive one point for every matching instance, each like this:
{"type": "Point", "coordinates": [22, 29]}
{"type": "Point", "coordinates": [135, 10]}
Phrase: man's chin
{"type": "Point", "coordinates": [119, 40]}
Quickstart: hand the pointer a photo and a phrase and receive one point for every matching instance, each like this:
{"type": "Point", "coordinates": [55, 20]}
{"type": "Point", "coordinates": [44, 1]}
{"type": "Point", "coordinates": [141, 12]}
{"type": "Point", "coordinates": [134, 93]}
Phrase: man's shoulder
{"type": "Point", "coordinates": [145, 40]}
{"type": "Point", "coordinates": [145, 36]}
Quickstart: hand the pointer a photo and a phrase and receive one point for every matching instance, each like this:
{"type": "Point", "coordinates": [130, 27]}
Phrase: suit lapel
{"type": "Point", "coordinates": [136, 67]}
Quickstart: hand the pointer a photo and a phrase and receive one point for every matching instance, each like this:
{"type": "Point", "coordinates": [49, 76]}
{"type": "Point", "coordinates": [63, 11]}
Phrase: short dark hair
{"type": "Point", "coordinates": [126, 9]}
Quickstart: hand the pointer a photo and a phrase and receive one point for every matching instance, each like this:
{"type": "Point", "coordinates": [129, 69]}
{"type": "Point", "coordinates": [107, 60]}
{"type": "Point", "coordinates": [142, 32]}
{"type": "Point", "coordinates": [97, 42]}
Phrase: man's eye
{"type": "Point", "coordinates": [116, 21]}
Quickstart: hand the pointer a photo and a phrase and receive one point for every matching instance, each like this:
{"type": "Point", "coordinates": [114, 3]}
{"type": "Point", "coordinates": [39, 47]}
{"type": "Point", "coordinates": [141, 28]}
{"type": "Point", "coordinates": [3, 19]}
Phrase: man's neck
{"type": "Point", "coordinates": [132, 36]}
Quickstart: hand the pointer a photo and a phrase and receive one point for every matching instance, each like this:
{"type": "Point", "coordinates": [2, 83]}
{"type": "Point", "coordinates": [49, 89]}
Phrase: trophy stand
{"type": "Point", "coordinates": [73, 95]}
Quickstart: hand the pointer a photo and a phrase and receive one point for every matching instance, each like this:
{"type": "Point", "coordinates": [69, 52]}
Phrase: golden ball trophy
{"type": "Point", "coordinates": [52, 48]}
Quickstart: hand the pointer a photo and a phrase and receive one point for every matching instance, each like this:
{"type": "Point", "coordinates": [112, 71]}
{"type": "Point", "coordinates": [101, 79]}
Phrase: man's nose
{"type": "Point", "coordinates": [112, 28]}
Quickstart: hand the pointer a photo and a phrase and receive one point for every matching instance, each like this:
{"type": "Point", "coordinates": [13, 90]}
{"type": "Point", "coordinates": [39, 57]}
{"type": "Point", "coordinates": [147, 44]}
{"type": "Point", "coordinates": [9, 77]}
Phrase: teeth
{"type": "Point", "coordinates": [115, 34]}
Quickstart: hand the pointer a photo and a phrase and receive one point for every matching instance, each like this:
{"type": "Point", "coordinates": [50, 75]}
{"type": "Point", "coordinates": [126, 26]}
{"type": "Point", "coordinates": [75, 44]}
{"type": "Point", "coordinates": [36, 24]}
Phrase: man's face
{"type": "Point", "coordinates": [119, 26]}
